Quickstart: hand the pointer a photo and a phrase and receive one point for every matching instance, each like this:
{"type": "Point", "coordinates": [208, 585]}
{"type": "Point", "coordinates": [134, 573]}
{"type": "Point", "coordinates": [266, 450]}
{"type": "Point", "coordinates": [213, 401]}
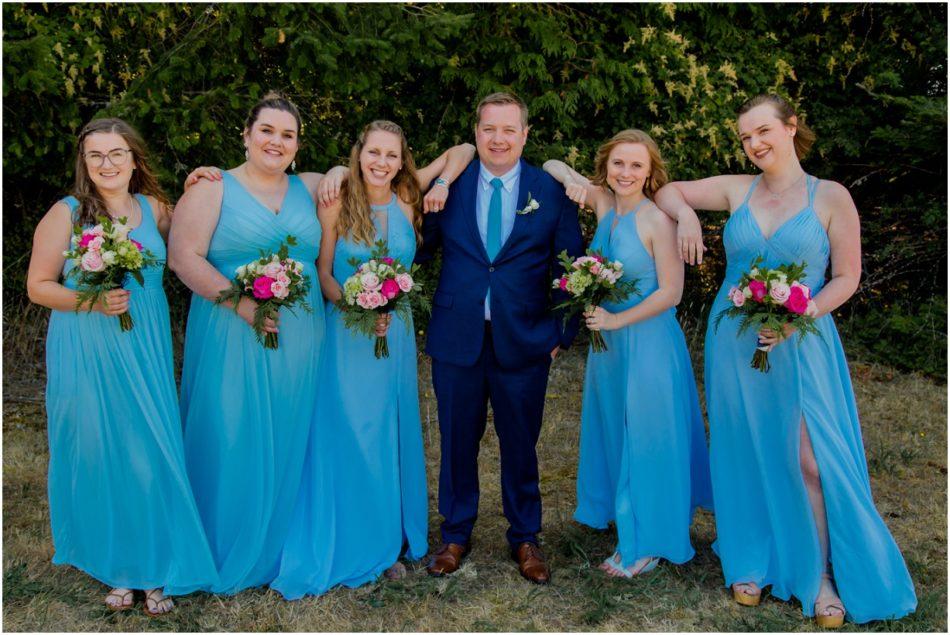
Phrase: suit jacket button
{"type": "Point", "coordinates": [491, 269]}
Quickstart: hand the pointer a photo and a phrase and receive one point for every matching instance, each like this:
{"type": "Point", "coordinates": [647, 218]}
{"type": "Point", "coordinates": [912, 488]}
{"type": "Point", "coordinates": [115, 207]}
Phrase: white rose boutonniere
{"type": "Point", "coordinates": [530, 207]}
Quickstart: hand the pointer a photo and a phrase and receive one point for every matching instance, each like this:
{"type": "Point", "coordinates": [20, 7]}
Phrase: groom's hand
{"type": "Point", "coordinates": [554, 353]}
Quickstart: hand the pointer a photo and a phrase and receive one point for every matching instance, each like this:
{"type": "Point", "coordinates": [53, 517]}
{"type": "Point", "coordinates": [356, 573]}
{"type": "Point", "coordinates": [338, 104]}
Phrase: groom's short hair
{"type": "Point", "coordinates": [502, 99]}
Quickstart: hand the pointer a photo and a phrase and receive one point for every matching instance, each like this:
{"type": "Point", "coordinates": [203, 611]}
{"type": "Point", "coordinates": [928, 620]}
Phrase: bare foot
{"type": "Point", "coordinates": [156, 603]}
{"type": "Point", "coordinates": [828, 604]}
{"type": "Point", "coordinates": [119, 599]}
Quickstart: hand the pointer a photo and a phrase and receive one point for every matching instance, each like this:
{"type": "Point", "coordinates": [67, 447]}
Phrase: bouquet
{"type": "Point", "coordinates": [103, 255]}
{"type": "Point", "coordinates": [273, 281]}
{"type": "Point", "coordinates": [770, 298]}
{"type": "Point", "coordinates": [590, 281]}
{"type": "Point", "coordinates": [379, 286]}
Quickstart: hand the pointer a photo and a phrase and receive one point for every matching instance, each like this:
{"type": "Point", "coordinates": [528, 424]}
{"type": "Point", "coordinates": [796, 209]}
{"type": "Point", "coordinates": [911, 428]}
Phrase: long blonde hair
{"type": "Point", "coordinates": [91, 203]}
{"type": "Point", "coordinates": [355, 221]}
{"type": "Point", "coordinates": [658, 174]}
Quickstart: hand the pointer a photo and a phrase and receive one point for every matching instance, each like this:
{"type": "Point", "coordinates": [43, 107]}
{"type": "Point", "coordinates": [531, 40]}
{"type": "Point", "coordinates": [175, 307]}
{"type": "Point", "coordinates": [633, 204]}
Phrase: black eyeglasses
{"type": "Point", "coordinates": [117, 157]}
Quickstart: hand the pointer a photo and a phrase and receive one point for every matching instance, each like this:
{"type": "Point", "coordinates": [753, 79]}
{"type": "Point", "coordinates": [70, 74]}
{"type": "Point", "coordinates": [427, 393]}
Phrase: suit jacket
{"type": "Point", "coordinates": [524, 328]}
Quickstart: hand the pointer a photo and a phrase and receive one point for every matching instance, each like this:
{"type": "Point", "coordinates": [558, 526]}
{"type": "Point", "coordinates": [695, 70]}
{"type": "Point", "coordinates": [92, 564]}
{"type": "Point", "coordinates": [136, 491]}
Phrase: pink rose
{"type": "Point", "coordinates": [92, 261]}
{"type": "Point", "coordinates": [96, 243]}
{"type": "Point", "coordinates": [595, 268]}
{"type": "Point", "coordinates": [273, 269]}
{"type": "Point", "coordinates": [390, 289]}
{"type": "Point", "coordinates": [404, 280]}
{"type": "Point", "coordinates": [758, 290]}
{"type": "Point", "coordinates": [370, 281]}
{"type": "Point", "coordinates": [563, 283]}
{"type": "Point", "coordinates": [363, 298]}
{"type": "Point", "coordinates": [262, 288]}
{"type": "Point", "coordinates": [279, 290]}
{"type": "Point", "coordinates": [804, 289]}
{"type": "Point", "coordinates": [797, 301]}
{"type": "Point", "coordinates": [779, 292]}
{"type": "Point", "coordinates": [379, 299]}
{"type": "Point", "coordinates": [137, 244]}
{"type": "Point", "coordinates": [737, 297]}
{"type": "Point", "coordinates": [389, 261]}
{"type": "Point", "coordinates": [283, 278]}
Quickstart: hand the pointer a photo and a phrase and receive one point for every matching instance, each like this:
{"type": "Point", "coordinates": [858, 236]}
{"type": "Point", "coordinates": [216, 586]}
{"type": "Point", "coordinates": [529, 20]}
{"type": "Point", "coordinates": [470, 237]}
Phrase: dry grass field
{"type": "Point", "coordinates": [904, 419]}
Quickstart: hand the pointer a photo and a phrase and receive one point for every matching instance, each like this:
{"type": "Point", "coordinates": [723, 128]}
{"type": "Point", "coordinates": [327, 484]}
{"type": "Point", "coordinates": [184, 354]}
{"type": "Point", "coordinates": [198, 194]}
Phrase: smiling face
{"type": "Point", "coordinates": [272, 140]}
{"type": "Point", "coordinates": [109, 161]}
{"type": "Point", "coordinates": [380, 158]}
{"type": "Point", "coordinates": [766, 139]}
{"type": "Point", "coordinates": [500, 137]}
{"type": "Point", "coordinates": [628, 168]}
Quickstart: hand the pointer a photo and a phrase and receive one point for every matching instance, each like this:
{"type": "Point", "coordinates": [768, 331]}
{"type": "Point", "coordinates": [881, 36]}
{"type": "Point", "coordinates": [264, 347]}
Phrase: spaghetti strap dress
{"type": "Point", "coordinates": [121, 506]}
{"type": "Point", "coordinates": [643, 461]}
{"type": "Point", "coordinates": [246, 410]}
{"type": "Point", "coordinates": [363, 501]}
{"type": "Point", "coordinates": [766, 529]}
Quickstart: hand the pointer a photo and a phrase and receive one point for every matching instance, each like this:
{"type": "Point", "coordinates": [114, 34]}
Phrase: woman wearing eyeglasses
{"type": "Point", "coordinates": [121, 507]}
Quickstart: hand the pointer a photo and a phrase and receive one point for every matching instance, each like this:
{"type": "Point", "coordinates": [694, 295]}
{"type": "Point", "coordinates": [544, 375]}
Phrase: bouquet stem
{"type": "Point", "coordinates": [597, 342]}
{"type": "Point", "coordinates": [760, 359]}
{"type": "Point", "coordinates": [125, 321]}
{"type": "Point", "coordinates": [381, 349]}
{"type": "Point", "coordinates": [270, 341]}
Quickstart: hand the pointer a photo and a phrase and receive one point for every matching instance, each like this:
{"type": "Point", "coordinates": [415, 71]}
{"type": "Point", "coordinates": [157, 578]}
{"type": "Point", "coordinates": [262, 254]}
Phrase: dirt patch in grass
{"type": "Point", "coordinates": [904, 422]}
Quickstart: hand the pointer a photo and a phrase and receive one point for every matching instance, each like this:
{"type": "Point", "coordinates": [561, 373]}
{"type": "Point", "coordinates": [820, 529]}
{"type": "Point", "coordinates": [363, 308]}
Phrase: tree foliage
{"type": "Point", "coordinates": [869, 78]}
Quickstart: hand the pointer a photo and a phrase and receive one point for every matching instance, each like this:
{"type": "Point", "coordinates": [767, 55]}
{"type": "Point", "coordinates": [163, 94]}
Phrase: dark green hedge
{"type": "Point", "coordinates": [869, 78]}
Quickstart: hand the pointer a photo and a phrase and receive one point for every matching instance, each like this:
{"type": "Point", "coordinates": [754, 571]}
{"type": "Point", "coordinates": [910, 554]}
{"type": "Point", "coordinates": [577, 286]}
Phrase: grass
{"type": "Point", "coordinates": [904, 422]}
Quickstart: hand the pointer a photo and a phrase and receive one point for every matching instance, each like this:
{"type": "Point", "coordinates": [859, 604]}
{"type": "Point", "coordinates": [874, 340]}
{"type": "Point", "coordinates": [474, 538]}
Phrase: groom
{"type": "Point", "coordinates": [492, 335]}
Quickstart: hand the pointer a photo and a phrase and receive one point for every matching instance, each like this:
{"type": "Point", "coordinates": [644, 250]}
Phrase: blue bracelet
{"type": "Point", "coordinates": [441, 181]}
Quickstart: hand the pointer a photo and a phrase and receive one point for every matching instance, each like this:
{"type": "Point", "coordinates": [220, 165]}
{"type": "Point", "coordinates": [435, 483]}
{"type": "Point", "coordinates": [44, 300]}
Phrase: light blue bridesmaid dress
{"type": "Point", "coordinates": [247, 410]}
{"type": "Point", "coordinates": [766, 529]}
{"type": "Point", "coordinates": [363, 501]}
{"type": "Point", "coordinates": [643, 457]}
{"type": "Point", "coordinates": [121, 507]}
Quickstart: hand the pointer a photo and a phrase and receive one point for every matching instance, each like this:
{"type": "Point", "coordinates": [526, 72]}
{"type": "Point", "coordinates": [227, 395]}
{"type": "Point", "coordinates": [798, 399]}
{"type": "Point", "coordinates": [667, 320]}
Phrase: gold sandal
{"type": "Point", "coordinates": [745, 599]}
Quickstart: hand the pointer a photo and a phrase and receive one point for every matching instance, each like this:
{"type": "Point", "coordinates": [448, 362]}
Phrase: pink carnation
{"type": "Point", "coordinates": [137, 244]}
{"type": "Point", "coordinates": [87, 238]}
{"type": "Point", "coordinates": [758, 290]}
{"type": "Point", "coordinates": [390, 289]}
{"type": "Point", "coordinates": [389, 261]}
{"type": "Point", "coordinates": [563, 283]}
{"type": "Point", "coordinates": [804, 289]}
{"type": "Point", "coordinates": [262, 288]}
{"type": "Point", "coordinates": [404, 280]}
{"type": "Point", "coordinates": [797, 301]}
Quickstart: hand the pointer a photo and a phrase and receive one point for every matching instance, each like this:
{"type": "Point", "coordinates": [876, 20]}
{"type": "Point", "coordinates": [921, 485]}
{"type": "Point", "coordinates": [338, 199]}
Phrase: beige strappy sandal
{"type": "Point", "coordinates": [161, 606]}
{"type": "Point", "coordinates": [121, 606]}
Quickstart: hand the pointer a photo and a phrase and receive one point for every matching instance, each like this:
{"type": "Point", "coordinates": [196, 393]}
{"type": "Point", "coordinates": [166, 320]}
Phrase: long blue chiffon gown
{"type": "Point", "coordinates": [121, 507]}
{"type": "Point", "coordinates": [363, 501]}
{"type": "Point", "coordinates": [766, 528]}
{"type": "Point", "coordinates": [643, 457]}
{"type": "Point", "coordinates": [247, 411]}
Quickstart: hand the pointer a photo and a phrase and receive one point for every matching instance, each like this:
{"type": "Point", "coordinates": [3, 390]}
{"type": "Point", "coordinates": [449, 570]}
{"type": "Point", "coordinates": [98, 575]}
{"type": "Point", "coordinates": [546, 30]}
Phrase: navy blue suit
{"type": "Point", "coordinates": [505, 361]}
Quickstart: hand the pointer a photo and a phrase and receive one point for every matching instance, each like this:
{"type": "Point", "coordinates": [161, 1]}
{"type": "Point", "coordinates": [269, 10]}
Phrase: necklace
{"type": "Point", "coordinates": [131, 206]}
{"type": "Point", "coordinates": [778, 195]}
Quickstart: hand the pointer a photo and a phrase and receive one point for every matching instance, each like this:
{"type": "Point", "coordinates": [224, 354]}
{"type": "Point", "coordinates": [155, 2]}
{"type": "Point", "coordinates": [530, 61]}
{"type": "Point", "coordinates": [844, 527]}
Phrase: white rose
{"type": "Point", "coordinates": [108, 257]}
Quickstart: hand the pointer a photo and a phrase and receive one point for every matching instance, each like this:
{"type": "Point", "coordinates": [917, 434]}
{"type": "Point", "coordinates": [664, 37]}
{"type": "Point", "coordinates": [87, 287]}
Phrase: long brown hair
{"type": "Point", "coordinates": [804, 136]}
{"type": "Point", "coordinates": [355, 220]}
{"type": "Point", "coordinates": [658, 174]}
{"type": "Point", "coordinates": [91, 203]}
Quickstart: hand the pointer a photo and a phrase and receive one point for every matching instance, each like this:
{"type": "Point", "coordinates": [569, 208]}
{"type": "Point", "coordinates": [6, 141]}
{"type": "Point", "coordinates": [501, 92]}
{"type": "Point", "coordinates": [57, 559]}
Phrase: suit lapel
{"type": "Point", "coordinates": [468, 191]}
{"type": "Point", "coordinates": [527, 184]}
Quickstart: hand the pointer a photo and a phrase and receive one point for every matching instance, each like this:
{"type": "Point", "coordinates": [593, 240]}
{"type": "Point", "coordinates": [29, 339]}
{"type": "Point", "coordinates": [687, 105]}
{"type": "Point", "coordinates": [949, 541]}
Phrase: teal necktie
{"type": "Point", "coordinates": [494, 220]}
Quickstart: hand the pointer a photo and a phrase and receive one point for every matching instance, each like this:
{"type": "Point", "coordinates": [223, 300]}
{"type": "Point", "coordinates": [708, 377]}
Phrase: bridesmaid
{"type": "Point", "coordinates": [121, 507]}
{"type": "Point", "coordinates": [246, 410]}
{"type": "Point", "coordinates": [793, 499]}
{"type": "Point", "coordinates": [643, 458]}
{"type": "Point", "coordinates": [363, 503]}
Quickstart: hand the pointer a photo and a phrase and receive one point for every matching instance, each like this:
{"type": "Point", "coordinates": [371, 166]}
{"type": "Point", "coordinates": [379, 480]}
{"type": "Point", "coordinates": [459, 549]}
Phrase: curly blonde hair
{"type": "Point", "coordinates": [658, 174]}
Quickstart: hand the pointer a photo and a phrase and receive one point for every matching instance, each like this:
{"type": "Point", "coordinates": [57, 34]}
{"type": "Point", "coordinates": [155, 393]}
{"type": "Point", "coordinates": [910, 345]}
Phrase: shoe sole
{"type": "Point", "coordinates": [745, 599]}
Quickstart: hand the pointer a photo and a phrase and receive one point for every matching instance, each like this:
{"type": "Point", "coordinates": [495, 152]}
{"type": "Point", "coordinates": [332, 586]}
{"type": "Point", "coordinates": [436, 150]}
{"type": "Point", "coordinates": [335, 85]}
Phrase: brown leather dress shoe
{"type": "Point", "coordinates": [447, 559]}
{"type": "Point", "coordinates": [531, 563]}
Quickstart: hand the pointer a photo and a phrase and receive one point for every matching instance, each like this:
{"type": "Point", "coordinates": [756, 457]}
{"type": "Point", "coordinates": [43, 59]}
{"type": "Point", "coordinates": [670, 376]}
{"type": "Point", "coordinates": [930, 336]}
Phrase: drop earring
{"type": "Point", "coordinates": [293, 165]}
{"type": "Point", "coordinates": [247, 155]}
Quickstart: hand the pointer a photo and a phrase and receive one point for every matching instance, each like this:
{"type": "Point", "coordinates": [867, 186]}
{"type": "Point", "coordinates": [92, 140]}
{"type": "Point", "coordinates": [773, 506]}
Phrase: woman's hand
{"type": "Point", "coordinates": [599, 319]}
{"type": "Point", "coordinates": [247, 307]}
{"type": "Point", "coordinates": [435, 198]}
{"type": "Point", "coordinates": [330, 185]}
{"type": "Point", "coordinates": [770, 338]}
{"type": "Point", "coordinates": [113, 302]}
{"type": "Point", "coordinates": [689, 237]}
{"type": "Point", "coordinates": [577, 192]}
{"type": "Point", "coordinates": [382, 324]}
{"type": "Point", "coordinates": [204, 172]}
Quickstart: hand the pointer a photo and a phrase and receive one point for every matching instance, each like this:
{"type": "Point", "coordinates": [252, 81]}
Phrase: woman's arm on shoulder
{"type": "Point", "coordinates": [844, 236]}
{"type": "Point", "coordinates": [578, 187]}
{"type": "Point", "coordinates": [447, 167]}
{"type": "Point", "coordinates": [328, 215]}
